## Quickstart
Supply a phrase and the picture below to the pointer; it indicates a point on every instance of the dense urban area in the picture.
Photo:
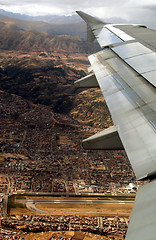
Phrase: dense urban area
(98, 225)
(48, 158)
(52, 160)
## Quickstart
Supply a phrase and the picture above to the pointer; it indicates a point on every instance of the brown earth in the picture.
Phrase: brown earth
(86, 209)
(74, 235)
(48, 80)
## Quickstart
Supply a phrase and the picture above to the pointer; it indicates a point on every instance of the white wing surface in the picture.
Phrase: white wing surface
(125, 70)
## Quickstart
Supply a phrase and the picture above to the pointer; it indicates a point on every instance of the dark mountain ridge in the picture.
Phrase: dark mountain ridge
(39, 41)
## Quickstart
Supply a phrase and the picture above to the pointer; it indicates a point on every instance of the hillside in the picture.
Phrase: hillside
(90, 109)
(46, 78)
(40, 79)
(8, 26)
(42, 68)
(39, 41)
(73, 29)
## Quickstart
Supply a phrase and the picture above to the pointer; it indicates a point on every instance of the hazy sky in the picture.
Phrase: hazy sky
(142, 11)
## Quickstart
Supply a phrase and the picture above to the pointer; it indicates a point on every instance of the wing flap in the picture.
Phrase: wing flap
(89, 81)
(122, 35)
(108, 139)
(140, 58)
(90, 35)
(131, 49)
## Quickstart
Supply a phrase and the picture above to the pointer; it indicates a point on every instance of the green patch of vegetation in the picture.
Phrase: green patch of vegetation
(20, 197)
(124, 197)
(13, 204)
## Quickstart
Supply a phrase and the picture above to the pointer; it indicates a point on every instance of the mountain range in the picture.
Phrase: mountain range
(56, 19)
(53, 24)
(73, 29)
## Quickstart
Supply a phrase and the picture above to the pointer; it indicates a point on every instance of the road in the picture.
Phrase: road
(80, 201)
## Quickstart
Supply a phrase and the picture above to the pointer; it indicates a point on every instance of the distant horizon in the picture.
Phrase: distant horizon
(109, 8)
(133, 11)
(74, 17)
(138, 16)
(30, 15)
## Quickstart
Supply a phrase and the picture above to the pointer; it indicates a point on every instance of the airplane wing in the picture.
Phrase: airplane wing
(125, 70)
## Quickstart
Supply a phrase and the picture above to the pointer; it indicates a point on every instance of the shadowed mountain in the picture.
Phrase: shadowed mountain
(49, 81)
(42, 80)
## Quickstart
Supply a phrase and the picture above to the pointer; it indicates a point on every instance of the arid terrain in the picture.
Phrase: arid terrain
(47, 79)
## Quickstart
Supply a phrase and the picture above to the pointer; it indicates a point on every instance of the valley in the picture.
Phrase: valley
(43, 119)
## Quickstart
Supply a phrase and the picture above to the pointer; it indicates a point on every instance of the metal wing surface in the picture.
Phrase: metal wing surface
(125, 70)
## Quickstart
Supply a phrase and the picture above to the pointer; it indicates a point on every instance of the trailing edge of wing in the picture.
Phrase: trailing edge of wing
(108, 139)
(90, 35)
(89, 81)
(142, 219)
(94, 25)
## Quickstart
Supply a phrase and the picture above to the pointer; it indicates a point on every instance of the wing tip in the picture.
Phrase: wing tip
(89, 19)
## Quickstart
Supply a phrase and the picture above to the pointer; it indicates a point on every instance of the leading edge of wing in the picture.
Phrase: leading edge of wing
(91, 21)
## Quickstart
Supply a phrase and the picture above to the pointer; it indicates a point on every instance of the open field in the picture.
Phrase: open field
(58, 209)
(86, 209)
(107, 210)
